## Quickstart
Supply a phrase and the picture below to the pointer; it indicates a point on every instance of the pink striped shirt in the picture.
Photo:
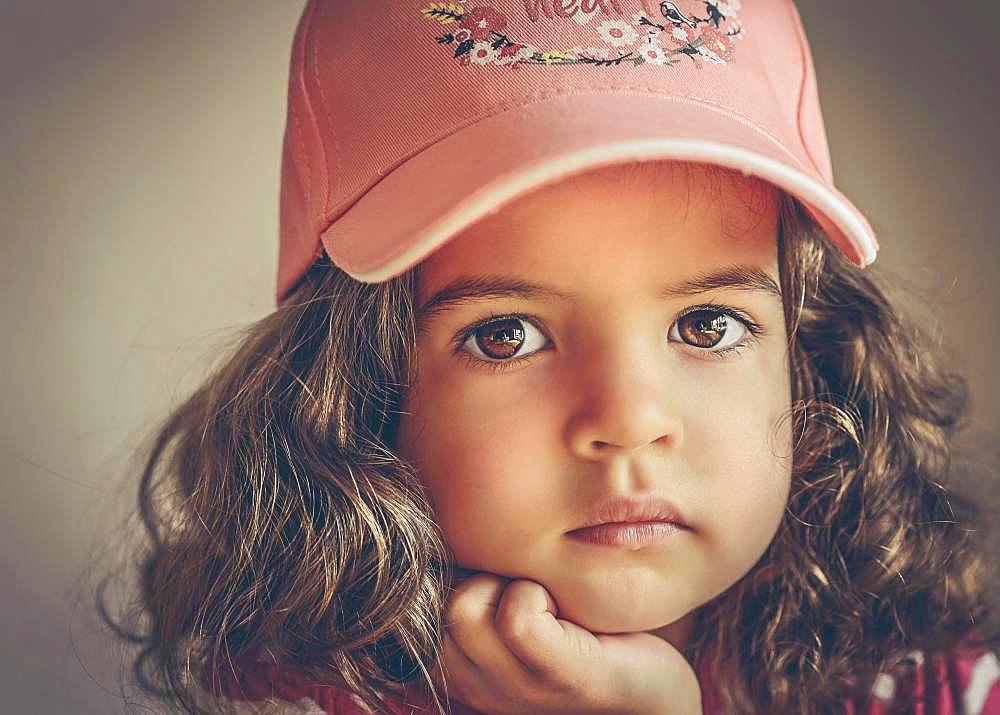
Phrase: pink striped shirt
(965, 682)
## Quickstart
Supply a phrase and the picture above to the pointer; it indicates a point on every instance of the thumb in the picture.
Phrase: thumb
(550, 602)
(536, 598)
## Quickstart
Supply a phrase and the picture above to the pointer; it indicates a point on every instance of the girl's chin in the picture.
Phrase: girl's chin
(621, 603)
(619, 618)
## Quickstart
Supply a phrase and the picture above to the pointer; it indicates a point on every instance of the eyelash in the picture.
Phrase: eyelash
(754, 331)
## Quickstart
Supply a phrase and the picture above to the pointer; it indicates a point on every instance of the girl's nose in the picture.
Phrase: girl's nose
(624, 401)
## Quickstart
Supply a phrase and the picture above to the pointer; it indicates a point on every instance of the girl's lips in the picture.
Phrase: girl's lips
(633, 508)
(633, 535)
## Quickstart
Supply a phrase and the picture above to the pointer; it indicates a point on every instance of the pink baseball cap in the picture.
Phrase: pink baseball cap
(410, 120)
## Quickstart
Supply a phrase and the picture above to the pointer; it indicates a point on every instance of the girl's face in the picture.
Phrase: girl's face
(607, 390)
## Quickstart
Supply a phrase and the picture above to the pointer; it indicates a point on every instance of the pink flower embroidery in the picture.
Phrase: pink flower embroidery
(482, 21)
(511, 50)
(680, 36)
(717, 43)
(480, 38)
(653, 54)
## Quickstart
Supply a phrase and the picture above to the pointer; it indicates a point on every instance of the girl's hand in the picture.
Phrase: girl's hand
(506, 652)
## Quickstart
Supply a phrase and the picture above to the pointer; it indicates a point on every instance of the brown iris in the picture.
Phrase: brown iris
(702, 328)
(500, 339)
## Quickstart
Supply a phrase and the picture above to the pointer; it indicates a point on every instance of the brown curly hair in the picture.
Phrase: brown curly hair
(277, 515)
(887, 521)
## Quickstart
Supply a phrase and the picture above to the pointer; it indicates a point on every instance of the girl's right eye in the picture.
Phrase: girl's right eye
(499, 338)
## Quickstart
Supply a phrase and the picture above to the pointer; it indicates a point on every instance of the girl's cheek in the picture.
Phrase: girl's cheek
(743, 428)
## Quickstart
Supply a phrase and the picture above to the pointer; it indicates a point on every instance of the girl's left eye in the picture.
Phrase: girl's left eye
(705, 328)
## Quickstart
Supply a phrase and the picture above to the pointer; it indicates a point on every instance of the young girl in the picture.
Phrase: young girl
(579, 396)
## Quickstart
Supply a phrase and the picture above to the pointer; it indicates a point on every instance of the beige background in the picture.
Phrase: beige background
(139, 155)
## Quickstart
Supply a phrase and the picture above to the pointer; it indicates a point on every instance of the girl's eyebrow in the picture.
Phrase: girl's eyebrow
(485, 286)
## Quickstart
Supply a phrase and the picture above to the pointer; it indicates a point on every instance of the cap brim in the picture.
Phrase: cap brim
(439, 191)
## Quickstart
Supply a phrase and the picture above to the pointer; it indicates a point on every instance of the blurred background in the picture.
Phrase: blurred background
(139, 166)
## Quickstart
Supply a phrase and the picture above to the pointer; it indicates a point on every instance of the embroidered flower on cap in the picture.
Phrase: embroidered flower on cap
(617, 33)
(703, 35)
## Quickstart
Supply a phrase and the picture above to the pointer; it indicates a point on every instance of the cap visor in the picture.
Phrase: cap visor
(439, 191)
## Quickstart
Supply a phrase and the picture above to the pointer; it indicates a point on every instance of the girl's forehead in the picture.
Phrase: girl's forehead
(657, 219)
(693, 197)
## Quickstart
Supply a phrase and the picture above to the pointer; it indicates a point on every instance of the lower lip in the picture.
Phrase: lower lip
(634, 535)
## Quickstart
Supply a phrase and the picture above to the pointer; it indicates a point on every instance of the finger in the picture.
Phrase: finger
(461, 679)
(527, 625)
(474, 594)
(451, 666)
(471, 624)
